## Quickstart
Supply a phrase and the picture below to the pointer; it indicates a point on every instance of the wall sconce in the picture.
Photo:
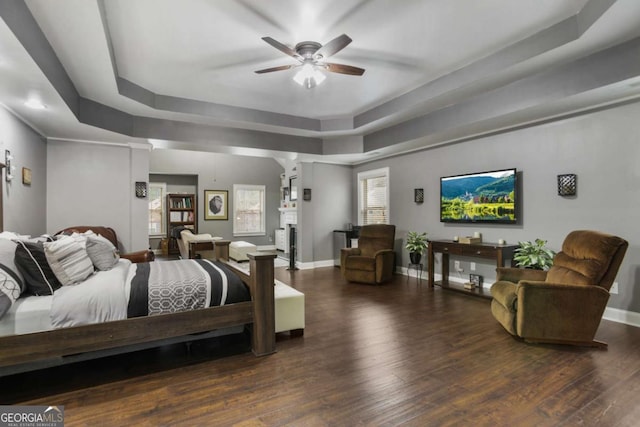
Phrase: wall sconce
(7, 161)
(306, 194)
(567, 184)
(418, 195)
(141, 189)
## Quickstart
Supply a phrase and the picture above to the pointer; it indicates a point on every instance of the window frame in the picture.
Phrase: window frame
(263, 220)
(363, 176)
(163, 209)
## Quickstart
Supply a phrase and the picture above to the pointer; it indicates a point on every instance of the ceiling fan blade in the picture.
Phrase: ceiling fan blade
(334, 46)
(270, 70)
(283, 48)
(344, 69)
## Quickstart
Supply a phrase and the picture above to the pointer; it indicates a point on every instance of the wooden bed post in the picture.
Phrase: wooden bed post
(221, 249)
(261, 281)
(264, 318)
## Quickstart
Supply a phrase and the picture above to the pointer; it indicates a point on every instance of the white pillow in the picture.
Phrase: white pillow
(102, 252)
(68, 259)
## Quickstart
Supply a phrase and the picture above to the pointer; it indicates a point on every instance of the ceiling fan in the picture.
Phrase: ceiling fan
(311, 56)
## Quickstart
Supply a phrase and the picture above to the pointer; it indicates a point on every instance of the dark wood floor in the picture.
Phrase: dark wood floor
(397, 354)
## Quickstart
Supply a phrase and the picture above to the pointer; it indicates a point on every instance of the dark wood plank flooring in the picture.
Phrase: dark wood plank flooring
(397, 354)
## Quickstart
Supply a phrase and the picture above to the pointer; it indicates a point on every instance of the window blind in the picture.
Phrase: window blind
(374, 202)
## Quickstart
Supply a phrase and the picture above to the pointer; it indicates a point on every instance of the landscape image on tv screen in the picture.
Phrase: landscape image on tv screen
(479, 197)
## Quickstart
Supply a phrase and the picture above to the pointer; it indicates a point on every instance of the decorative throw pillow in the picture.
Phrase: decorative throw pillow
(102, 252)
(32, 264)
(10, 289)
(69, 260)
(7, 261)
(11, 281)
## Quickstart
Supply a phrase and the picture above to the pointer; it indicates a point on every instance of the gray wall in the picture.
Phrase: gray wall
(93, 184)
(219, 172)
(24, 205)
(602, 148)
(328, 210)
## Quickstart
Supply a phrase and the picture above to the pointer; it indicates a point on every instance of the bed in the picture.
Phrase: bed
(29, 341)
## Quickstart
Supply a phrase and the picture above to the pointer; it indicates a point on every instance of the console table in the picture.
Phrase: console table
(494, 251)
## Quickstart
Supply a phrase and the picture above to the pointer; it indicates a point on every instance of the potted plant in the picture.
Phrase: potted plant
(534, 255)
(416, 245)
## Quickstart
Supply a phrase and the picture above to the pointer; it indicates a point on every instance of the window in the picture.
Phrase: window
(248, 210)
(157, 192)
(373, 197)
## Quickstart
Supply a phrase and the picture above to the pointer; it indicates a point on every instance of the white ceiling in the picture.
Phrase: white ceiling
(191, 63)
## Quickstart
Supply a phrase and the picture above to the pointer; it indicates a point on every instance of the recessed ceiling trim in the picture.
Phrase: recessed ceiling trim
(557, 35)
(219, 111)
(601, 69)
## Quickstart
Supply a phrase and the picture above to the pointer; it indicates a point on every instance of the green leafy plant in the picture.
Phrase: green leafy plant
(416, 242)
(534, 255)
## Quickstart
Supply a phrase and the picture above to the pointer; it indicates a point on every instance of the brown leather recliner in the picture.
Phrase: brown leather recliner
(565, 304)
(373, 261)
(110, 234)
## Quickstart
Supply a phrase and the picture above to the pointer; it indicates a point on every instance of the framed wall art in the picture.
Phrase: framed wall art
(26, 176)
(216, 204)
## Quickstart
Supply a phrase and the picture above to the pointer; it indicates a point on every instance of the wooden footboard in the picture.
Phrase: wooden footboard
(261, 283)
(34, 347)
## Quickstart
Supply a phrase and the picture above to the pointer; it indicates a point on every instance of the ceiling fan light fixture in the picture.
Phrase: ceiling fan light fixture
(309, 76)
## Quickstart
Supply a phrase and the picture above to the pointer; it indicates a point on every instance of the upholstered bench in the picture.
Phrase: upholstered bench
(238, 250)
(289, 308)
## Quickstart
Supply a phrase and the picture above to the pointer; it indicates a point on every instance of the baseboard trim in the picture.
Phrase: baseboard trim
(622, 316)
(314, 264)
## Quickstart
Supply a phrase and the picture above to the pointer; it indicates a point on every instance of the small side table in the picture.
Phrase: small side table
(418, 268)
(199, 245)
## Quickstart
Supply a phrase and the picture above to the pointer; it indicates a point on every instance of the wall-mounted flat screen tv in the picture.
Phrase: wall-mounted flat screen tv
(479, 197)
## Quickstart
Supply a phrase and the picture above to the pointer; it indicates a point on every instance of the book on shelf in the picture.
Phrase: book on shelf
(181, 202)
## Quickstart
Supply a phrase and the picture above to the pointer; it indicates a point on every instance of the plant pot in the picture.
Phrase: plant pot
(415, 257)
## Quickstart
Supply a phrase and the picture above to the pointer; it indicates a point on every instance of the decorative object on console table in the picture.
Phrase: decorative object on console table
(181, 214)
(216, 204)
(567, 184)
(26, 176)
(470, 240)
(476, 279)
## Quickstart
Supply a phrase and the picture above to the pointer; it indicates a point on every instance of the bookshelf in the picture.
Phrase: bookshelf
(181, 211)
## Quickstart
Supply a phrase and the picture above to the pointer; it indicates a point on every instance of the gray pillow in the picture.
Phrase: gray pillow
(102, 252)
(69, 260)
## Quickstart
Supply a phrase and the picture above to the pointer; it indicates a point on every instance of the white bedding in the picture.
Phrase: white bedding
(33, 313)
(27, 315)
(100, 298)
(105, 296)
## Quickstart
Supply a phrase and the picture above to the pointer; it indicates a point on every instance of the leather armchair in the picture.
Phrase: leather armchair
(565, 304)
(110, 234)
(373, 261)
